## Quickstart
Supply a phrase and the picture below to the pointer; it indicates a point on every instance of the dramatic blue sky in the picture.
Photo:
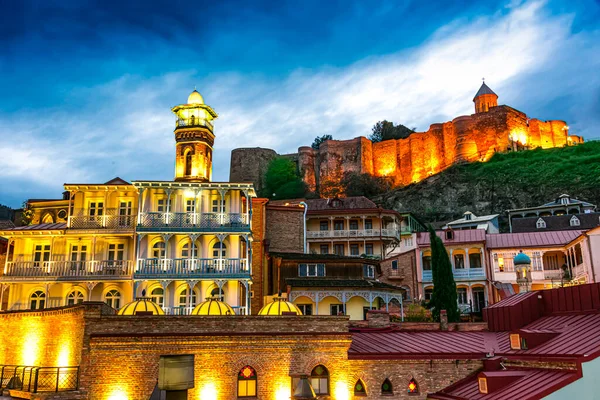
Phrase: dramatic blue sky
(87, 86)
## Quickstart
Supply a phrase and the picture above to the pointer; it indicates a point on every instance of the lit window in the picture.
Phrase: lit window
(515, 341)
(37, 300)
(75, 297)
(413, 387)
(482, 385)
(359, 388)
(386, 387)
(247, 382)
(574, 221)
(158, 296)
(113, 299)
(540, 224)
(319, 380)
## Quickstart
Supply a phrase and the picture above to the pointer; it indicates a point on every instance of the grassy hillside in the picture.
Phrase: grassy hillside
(511, 180)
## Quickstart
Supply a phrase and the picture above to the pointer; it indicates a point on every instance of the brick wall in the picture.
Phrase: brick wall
(285, 229)
(405, 275)
(258, 253)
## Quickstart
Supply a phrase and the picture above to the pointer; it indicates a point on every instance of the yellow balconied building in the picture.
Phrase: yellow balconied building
(176, 242)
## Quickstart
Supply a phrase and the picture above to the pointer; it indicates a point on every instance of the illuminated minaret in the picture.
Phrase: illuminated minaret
(194, 139)
(485, 99)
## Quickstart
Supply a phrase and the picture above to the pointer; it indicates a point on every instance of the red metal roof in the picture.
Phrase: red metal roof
(531, 239)
(459, 236)
(535, 383)
(39, 227)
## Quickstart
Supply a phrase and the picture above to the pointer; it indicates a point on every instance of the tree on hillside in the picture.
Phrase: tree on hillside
(356, 184)
(282, 180)
(444, 295)
(320, 139)
(386, 130)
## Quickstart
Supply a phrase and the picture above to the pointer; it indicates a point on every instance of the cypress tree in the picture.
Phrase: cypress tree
(444, 295)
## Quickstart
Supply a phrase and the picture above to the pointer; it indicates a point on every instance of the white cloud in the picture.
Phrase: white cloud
(130, 134)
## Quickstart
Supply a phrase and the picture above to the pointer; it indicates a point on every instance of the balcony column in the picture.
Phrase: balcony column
(140, 205)
(197, 199)
(249, 298)
(3, 288)
(452, 259)
(168, 208)
(222, 206)
(69, 210)
(482, 256)
(10, 241)
(90, 287)
(138, 257)
(221, 237)
(467, 262)
(105, 211)
(94, 248)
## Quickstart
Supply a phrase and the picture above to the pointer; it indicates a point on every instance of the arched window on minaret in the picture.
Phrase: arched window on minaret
(188, 162)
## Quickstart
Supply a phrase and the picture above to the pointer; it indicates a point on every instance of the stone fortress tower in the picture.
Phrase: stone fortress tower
(477, 137)
(194, 140)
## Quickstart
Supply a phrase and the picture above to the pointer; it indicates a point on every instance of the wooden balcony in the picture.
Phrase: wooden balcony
(197, 222)
(68, 270)
(386, 233)
(187, 268)
(110, 220)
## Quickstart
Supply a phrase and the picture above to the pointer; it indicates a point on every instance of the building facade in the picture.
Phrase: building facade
(176, 242)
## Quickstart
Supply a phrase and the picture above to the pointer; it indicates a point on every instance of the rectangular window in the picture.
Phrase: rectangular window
(426, 263)
(324, 249)
(311, 270)
(324, 225)
(354, 250)
(306, 309)
(336, 309)
(462, 295)
(368, 271)
(368, 224)
(41, 254)
(338, 225)
(218, 206)
(96, 209)
(125, 208)
(161, 205)
(369, 249)
(475, 260)
(395, 265)
(459, 261)
(338, 249)
(190, 206)
(353, 224)
(116, 251)
(428, 294)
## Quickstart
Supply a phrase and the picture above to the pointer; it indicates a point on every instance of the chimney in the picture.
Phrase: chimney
(378, 319)
(443, 320)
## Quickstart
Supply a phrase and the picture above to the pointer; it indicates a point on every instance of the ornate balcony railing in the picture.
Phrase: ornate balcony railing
(68, 270)
(459, 274)
(198, 221)
(111, 219)
(185, 310)
(187, 267)
(185, 122)
(354, 233)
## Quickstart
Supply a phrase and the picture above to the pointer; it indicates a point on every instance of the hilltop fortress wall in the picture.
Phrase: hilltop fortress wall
(464, 139)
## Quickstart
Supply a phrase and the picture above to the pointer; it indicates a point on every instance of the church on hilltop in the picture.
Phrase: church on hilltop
(492, 128)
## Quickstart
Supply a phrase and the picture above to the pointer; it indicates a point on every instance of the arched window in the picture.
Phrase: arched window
(183, 298)
(75, 297)
(158, 296)
(48, 219)
(540, 224)
(186, 251)
(217, 247)
(247, 382)
(113, 299)
(188, 163)
(574, 221)
(386, 387)
(217, 293)
(319, 380)
(413, 387)
(359, 388)
(159, 250)
(37, 300)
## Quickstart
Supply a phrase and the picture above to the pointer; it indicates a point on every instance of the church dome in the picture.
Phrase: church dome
(521, 259)
(143, 306)
(195, 98)
(213, 307)
(279, 306)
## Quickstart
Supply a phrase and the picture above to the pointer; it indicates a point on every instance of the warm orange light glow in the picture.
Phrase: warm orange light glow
(64, 355)
(208, 392)
(31, 342)
(341, 391)
(118, 394)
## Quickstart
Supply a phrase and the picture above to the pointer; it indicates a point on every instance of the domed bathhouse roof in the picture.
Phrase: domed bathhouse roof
(141, 306)
(213, 306)
(521, 259)
(195, 98)
(279, 306)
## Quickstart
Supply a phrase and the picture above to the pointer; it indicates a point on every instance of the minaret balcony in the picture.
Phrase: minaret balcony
(67, 270)
(185, 268)
(197, 222)
(193, 123)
